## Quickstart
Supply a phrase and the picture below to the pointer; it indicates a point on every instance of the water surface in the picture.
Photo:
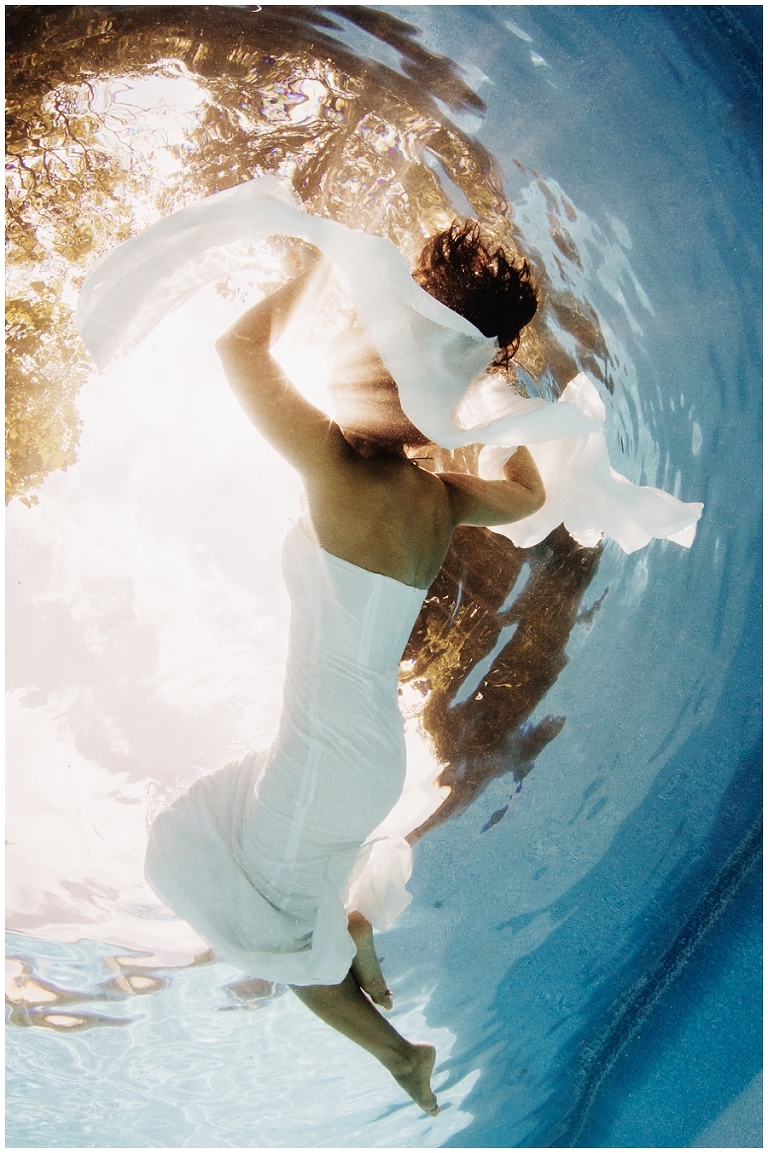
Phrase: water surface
(581, 947)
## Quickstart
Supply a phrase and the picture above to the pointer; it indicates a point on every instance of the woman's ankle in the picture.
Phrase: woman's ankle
(401, 1059)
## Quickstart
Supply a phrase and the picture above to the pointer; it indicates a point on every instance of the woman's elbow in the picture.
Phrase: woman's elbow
(522, 502)
(239, 340)
(538, 498)
(527, 504)
(225, 345)
(237, 354)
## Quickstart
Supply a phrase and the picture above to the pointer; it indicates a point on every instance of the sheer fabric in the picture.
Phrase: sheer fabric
(437, 358)
(265, 857)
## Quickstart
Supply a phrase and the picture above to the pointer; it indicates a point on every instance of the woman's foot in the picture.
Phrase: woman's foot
(346, 1008)
(366, 968)
(416, 1080)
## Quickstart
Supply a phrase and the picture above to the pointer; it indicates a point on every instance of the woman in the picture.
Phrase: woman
(338, 763)
(274, 859)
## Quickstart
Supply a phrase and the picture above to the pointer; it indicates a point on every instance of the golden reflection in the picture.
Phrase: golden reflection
(489, 734)
(132, 978)
(115, 119)
(35, 1002)
(94, 155)
(252, 993)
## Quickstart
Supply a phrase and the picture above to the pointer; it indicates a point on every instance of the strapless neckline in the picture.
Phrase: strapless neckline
(359, 568)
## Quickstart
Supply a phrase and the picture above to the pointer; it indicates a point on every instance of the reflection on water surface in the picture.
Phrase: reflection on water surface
(120, 116)
(463, 622)
(116, 117)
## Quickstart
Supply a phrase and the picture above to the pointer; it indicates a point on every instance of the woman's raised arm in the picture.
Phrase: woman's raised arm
(305, 436)
(488, 502)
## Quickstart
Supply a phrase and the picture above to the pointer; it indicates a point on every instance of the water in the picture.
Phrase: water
(586, 964)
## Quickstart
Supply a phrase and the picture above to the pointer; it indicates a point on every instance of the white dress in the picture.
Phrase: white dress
(262, 857)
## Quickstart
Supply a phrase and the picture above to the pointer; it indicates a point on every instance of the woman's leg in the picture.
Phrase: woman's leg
(348, 1010)
(366, 968)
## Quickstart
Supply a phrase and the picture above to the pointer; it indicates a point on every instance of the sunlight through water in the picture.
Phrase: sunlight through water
(582, 725)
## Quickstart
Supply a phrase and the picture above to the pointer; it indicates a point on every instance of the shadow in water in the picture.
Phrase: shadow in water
(471, 609)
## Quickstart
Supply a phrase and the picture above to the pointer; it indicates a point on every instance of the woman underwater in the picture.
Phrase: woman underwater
(371, 507)
(271, 859)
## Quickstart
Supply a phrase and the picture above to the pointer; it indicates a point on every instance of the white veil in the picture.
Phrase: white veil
(437, 358)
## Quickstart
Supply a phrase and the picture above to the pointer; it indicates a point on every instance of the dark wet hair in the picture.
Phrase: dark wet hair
(496, 293)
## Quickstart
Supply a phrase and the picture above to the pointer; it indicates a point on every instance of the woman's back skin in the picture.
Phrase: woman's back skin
(371, 505)
(368, 502)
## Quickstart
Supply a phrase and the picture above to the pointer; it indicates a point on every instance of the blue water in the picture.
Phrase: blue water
(589, 965)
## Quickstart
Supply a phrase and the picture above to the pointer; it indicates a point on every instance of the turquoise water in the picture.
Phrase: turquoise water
(587, 966)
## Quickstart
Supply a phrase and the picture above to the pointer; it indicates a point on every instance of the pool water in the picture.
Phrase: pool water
(583, 946)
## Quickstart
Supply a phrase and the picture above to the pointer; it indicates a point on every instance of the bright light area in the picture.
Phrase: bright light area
(143, 111)
(144, 118)
(149, 591)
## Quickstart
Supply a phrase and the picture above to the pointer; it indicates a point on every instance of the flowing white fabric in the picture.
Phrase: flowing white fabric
(586, 495)
(437, 358)
(265, 857)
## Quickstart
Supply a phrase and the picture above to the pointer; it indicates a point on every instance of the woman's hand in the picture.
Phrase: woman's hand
(266, 321)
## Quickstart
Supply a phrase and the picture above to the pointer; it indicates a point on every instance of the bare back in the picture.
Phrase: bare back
(368, 503)
(383, 513)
